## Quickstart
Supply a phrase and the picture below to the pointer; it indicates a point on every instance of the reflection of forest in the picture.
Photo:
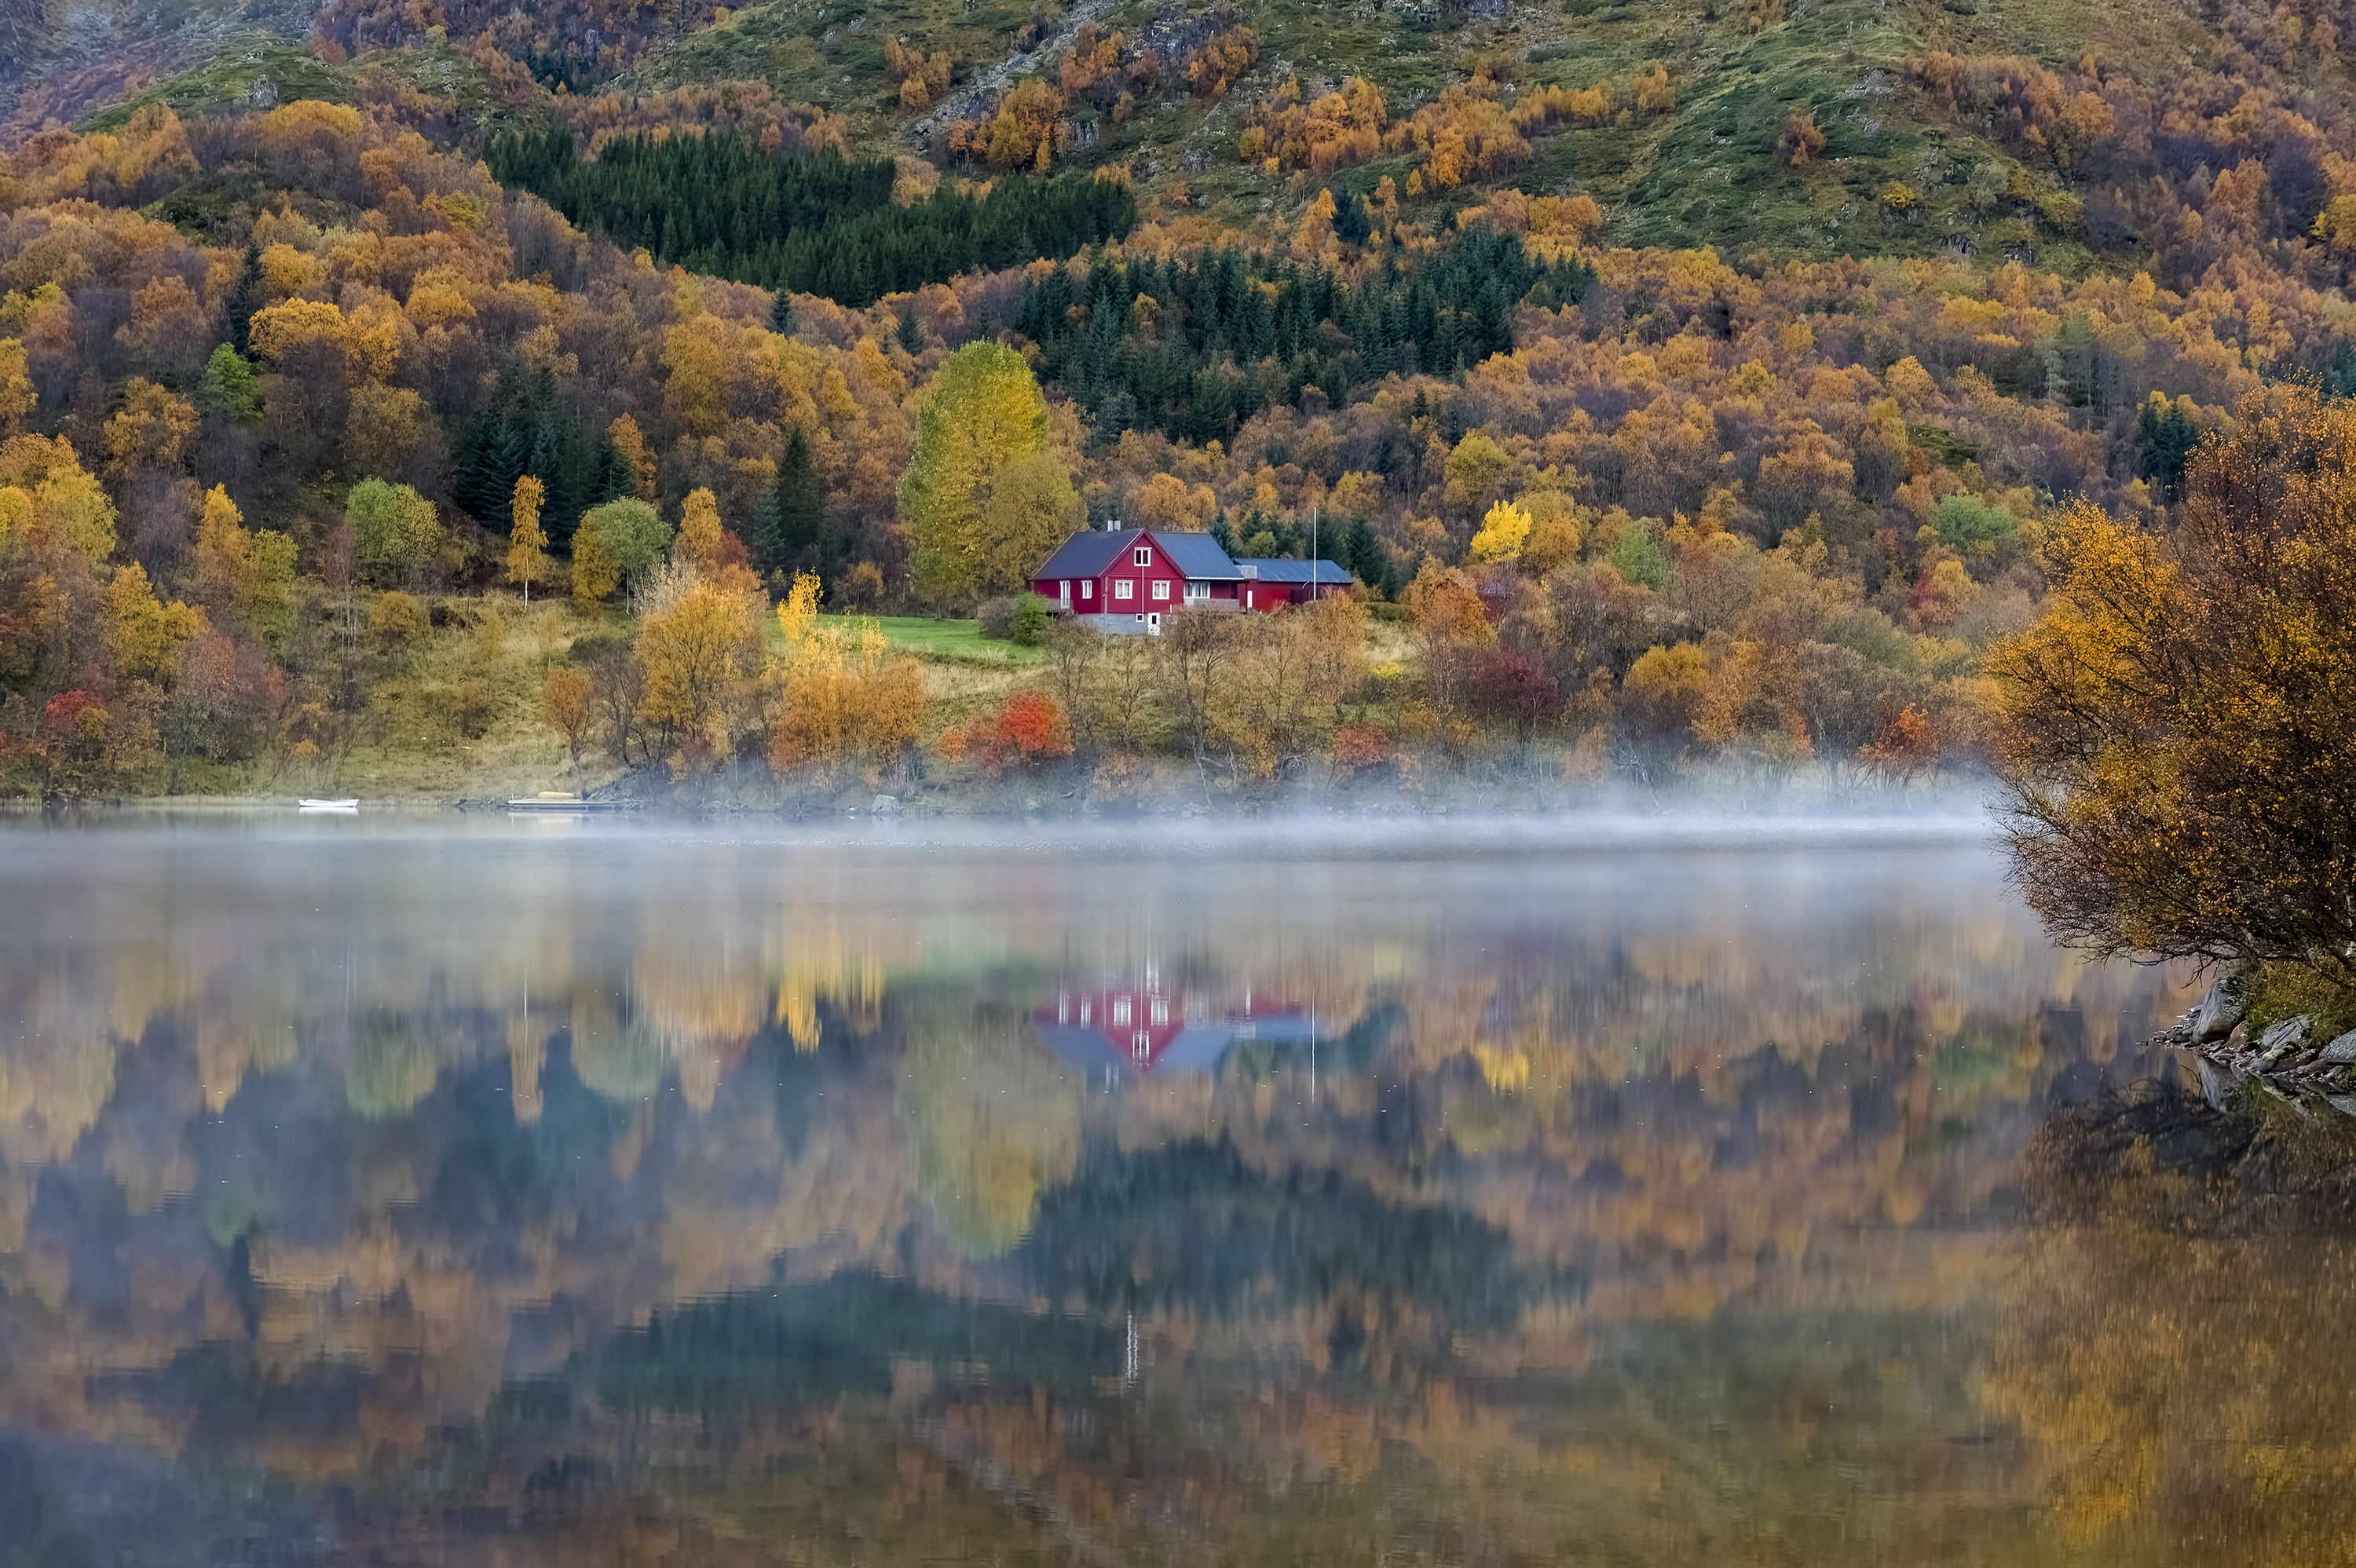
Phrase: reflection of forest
(1636, 1205)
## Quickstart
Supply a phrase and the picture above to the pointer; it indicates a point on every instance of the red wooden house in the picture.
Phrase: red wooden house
(1125, 580)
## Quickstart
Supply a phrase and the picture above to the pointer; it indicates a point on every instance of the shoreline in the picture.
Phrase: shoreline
(1934, 813)
(1174, 793)
(2292, 1071)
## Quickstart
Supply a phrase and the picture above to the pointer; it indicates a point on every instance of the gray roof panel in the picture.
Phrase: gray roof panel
(1198, 556)
(1088, 554)
(1289, 572)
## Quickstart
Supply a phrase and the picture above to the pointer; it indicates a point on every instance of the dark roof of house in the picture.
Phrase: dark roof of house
(1324, 573)
(1197, 557)
(1088, 554)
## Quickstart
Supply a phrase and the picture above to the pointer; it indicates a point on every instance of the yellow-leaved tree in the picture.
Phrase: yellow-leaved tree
(699, 528)
(1503, 533)
(142, 631)
(48, 501)
(527, 541)
(17, 398)
(242, 574)
(845, 699)
(697, 639)
(2178, 732)
(983, 497)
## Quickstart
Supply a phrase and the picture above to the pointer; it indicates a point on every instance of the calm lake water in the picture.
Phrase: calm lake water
(554, 1193)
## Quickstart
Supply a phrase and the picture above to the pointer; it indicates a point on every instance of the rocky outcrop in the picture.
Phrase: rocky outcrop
(2219, 1011)
(2288, 1053)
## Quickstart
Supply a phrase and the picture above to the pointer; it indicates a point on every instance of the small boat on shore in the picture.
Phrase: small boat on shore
(344, 807)
(556, 801)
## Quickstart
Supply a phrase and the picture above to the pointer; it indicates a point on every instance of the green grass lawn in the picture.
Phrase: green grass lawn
(943, 639)
(958, 639)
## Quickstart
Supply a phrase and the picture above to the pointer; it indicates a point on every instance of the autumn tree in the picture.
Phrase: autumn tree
(1222, 58)
(1503, 531)
(615, 543)
(2178, 735)
(594, 575)
(16, 396)
(844, 697)
(244, 574)
(696, 638)
(1800, 140)
(983, 497)
(1027, 730)
(634, 460)
(398, 529)
(564, 707)
(528, 560)
(699, 532)
(1452, 626)
(923, 78)
(1904, 744)
(1194, 658)
(1665, 690)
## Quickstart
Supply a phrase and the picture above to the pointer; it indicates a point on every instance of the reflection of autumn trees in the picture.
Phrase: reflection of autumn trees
(993, 1120)
(314, 1156)
(2165, 1340)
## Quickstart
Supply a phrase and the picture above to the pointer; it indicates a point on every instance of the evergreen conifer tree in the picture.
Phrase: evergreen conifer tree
(244, 300)
(1221, 534)
(798, 541)
(1363, 554)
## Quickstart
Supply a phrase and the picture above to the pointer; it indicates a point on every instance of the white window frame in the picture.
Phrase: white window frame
(1197, 592)
(1161, 590)
(1123, 589)
(1088, 588)
(1153, 624)
(1067, 586)
(1144, 556)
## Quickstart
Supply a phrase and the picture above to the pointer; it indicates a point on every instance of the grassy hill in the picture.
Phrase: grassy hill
(1703, 171)
(1701, 168)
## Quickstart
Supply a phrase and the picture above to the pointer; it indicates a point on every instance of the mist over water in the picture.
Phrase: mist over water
(1636, 1188)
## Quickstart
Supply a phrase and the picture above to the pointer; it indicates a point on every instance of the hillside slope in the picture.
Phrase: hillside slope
(1699, 381)
(2061, 135)
(1694, 162)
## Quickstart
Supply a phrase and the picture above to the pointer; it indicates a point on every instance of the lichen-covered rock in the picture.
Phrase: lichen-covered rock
(2283, 1033)
(2341, 1051)
(2219, 1010)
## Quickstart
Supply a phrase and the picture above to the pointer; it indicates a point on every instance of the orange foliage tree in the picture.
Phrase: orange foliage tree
(1029, 729)
(2178, 732)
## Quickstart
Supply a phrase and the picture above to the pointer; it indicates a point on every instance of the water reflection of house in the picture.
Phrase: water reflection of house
(1132, 1030)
